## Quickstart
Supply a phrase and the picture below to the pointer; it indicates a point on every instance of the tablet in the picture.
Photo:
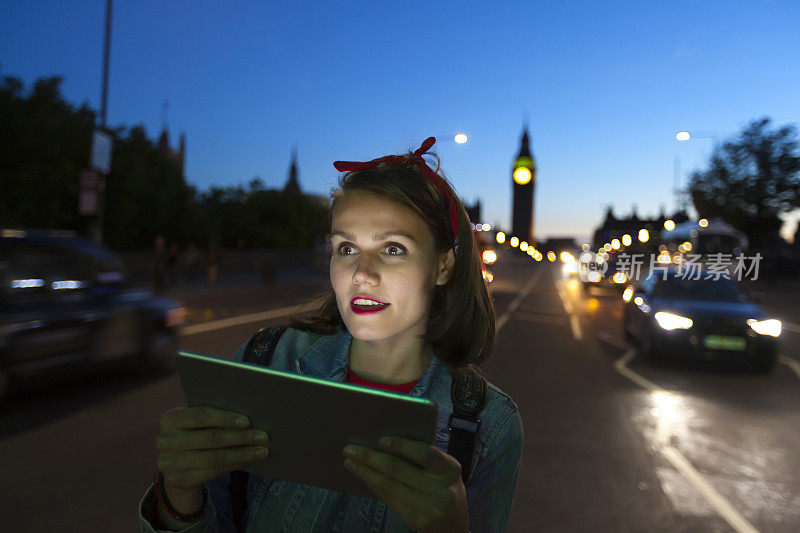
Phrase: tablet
(308, 420)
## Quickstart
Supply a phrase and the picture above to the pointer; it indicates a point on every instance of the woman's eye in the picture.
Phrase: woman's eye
(339, 250)
(400, 249)
(391, 249)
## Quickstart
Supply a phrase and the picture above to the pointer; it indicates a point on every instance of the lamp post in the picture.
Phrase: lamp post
(101, 147)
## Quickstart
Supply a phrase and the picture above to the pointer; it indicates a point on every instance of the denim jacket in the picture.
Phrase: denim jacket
(276, 505)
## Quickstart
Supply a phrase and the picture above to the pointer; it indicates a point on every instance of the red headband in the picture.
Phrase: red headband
(396, 160)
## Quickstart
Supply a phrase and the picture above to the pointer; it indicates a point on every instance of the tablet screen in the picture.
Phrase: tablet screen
(309, 420)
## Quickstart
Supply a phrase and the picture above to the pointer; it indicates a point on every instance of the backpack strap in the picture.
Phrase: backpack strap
(258, 351)
(468, 392)
(261, 346)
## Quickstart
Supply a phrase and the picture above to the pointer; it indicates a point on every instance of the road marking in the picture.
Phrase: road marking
(791, 363)
(621, 366)
(722, 506)
(238, 320)
(717, 501)
(516, 301)
(574, 323)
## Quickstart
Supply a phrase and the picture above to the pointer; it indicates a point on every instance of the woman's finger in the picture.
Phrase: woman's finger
(207, 439)
(429, 457)
(392, 491)
(201, 417)
(395, 468)
(219, 459)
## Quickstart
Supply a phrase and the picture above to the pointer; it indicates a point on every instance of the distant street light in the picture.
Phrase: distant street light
(644, 235)
(669, 225)
(626, 240)
(702, 223)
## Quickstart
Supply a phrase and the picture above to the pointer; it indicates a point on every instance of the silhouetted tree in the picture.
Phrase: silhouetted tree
(45, 142)
(751, 180)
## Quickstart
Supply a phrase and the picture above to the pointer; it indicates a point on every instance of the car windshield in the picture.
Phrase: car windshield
(721, 290)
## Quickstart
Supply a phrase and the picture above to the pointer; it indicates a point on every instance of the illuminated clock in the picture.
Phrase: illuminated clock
(522, 175)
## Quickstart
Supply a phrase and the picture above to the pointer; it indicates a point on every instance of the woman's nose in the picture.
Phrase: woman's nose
(366, 271)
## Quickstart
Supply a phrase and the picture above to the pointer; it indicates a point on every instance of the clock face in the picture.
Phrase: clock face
(522, 175)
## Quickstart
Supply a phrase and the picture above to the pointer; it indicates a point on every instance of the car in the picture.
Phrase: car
(703, 316)
(597, 271)
(67, 304)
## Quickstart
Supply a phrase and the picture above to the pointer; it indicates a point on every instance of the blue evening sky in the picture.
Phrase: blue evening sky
(606, 85)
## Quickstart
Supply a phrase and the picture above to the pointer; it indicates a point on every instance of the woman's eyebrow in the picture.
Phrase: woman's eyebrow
(378, 236)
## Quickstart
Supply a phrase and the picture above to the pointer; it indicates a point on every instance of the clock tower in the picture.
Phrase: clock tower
(523, 180)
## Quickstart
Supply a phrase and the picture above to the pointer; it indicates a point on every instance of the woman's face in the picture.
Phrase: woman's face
(384, 251)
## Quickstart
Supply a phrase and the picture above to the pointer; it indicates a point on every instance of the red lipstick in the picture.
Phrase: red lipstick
(367, 309)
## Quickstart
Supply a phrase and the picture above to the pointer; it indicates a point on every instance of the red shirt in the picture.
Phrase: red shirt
(402, 388)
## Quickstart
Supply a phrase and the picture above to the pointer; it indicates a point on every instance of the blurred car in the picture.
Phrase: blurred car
(596, 271)
(67, 304)
(710, 319)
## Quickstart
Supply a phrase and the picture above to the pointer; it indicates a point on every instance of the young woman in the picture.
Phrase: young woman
(400, 237)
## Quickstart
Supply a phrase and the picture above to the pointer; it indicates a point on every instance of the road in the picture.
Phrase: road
(612, 443)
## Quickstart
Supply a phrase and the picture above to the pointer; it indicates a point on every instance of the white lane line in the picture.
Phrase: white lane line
(791, 363)
(611, 339)
(574, 323)
(238, 320)
(722, 506)
(621, 366)
(516, 301)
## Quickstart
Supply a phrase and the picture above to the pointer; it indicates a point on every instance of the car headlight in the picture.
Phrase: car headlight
(570, 268)
(671, 321)
(769, 327)
(627, 294)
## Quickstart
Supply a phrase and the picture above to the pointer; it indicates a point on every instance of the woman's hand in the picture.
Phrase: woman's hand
(419, 482)
(198, 444)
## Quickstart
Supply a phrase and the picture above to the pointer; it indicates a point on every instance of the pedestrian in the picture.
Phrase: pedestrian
(159, 263)
(400, 236)
(192, 258)
(172, 263)
(212, 261)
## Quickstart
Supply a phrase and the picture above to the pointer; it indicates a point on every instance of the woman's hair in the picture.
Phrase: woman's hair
(461, 322)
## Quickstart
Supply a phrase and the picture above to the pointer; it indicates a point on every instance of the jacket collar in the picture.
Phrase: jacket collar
(327, 359)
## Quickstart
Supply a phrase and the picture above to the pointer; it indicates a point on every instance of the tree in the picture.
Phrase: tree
(45, 142)
(751, 180)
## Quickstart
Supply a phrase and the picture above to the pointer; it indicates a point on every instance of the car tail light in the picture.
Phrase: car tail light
(175, 317)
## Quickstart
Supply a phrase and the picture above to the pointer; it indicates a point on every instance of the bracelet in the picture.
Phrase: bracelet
(158, 486)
